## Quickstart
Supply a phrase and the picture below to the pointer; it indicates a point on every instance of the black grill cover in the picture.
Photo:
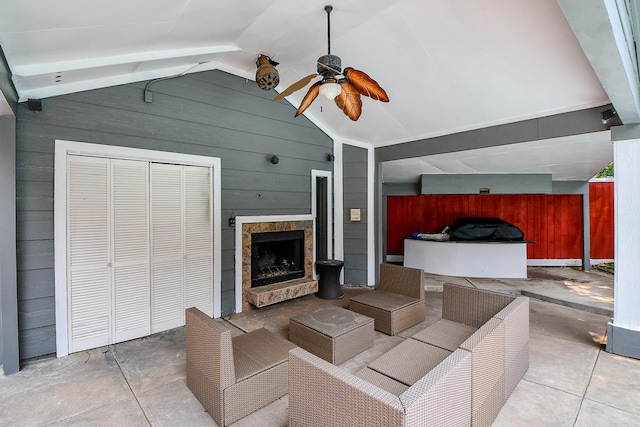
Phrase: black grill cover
(484, 229)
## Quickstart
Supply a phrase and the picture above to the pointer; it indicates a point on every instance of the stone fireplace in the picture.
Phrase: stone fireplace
(273, 284)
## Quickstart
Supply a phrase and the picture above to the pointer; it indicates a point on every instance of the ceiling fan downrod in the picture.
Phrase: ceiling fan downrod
(328, 8)
(329, 65)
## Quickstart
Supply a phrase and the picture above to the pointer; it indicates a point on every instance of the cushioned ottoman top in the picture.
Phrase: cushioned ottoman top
(332, 321)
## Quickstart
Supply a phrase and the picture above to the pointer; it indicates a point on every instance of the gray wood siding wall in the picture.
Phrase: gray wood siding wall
(209, 114)
(355, 197)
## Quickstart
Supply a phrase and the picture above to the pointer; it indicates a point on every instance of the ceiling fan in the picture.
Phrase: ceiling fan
(344, 86)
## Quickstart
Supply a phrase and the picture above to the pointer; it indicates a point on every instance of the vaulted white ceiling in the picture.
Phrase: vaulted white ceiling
(448, 66)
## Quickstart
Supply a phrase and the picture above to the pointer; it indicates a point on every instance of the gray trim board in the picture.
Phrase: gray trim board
(566, 124)
(6, 85)
(622, 341)
(9, 347)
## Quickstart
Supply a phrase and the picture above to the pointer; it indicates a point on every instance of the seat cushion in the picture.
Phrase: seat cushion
(445, 334)
(257, 351)
(384, 382)
(383, 300)
(409, 361)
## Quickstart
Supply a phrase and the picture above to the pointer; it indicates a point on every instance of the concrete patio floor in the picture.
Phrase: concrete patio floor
(571, 380)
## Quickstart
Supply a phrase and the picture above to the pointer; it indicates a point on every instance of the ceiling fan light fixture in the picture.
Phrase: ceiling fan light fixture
(330, 89)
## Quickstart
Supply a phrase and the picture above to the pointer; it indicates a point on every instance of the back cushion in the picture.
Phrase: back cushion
(402, 280)
(471, 306)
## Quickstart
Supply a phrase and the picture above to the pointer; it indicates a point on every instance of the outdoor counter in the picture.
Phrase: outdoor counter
(468, 258)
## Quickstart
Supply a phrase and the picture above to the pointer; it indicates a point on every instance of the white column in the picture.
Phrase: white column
(624, 329)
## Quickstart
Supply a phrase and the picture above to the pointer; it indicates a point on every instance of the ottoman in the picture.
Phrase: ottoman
(332, 333)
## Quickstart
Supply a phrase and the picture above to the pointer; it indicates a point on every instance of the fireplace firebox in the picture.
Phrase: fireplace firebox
(276, 257)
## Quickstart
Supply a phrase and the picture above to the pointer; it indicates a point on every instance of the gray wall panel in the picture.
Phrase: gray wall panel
(355, 197)
(36, 313)
(34, 341)
(39, 281)
(35, 225)
(34, 255)
(496, 183)
(209, 114)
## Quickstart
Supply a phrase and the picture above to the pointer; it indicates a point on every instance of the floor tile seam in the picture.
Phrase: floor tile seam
(595, 400)
(572, 341)
(62, 381)
(140, 393)
(133, 393)
(615, 408)
(525, 289)
(580, 306)
(553, 388)
(608, 405)
(586, 388)
(86, 411)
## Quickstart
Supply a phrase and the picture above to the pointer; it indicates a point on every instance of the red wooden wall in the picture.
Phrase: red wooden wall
(601, 227)
(553, 221)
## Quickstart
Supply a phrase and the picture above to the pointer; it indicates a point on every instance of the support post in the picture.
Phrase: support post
(623, 332)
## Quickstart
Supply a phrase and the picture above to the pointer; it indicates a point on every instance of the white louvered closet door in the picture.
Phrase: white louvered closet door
(167, 237)
(182, 243)
(88, 256)
(140, 248)
(199, 239)
(130, 237)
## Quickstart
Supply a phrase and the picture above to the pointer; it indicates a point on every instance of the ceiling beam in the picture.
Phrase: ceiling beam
(105, 61)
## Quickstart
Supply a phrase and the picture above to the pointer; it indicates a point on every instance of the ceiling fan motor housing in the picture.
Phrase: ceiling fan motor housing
(267, 77)
(329, 66)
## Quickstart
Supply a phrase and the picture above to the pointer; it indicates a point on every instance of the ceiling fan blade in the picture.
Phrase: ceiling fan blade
(349, 101)
(294, 87)
(311, 95)
(365, 85)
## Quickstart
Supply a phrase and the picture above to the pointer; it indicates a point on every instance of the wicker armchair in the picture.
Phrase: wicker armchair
(234, 376)
(398, 303)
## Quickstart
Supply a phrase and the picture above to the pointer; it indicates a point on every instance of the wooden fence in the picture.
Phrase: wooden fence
(553, 221)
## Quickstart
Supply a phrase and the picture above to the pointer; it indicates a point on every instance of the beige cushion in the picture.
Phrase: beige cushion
(445, 334)
(384, 382)
(257, 351)
(386, 301)
(409, 361)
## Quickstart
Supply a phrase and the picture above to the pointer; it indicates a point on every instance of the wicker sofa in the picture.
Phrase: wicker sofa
(234, 376)
(458, 371)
